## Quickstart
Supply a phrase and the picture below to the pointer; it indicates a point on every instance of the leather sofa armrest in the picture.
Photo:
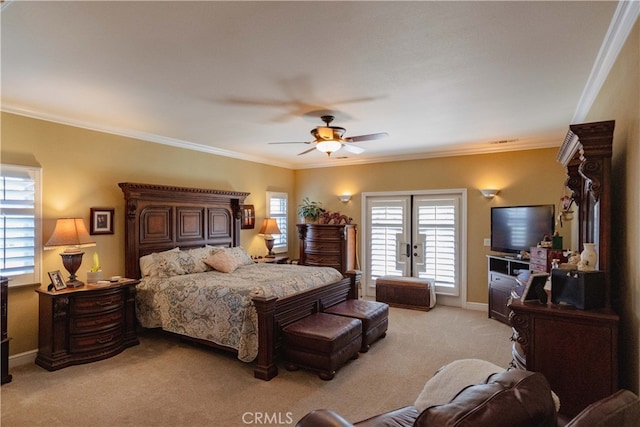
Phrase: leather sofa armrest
(405, 416)
(621, 409)
(323, 418)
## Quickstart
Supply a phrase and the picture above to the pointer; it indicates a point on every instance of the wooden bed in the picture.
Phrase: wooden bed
(159, 218)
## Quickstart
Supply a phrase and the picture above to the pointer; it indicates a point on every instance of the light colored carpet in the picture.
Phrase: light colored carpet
(164, 382)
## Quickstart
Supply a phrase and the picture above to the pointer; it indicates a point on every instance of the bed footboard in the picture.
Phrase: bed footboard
(274, 314)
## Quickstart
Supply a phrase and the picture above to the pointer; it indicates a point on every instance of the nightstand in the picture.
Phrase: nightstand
(85, 324)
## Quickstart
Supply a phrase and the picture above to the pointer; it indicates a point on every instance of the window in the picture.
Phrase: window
(19, 224)
(277, 204)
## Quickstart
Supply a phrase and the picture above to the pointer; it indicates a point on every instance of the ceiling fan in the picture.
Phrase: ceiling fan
(330, 139)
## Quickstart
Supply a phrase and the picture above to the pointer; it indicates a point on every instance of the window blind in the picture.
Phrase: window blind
(19, 228)
(277, 208)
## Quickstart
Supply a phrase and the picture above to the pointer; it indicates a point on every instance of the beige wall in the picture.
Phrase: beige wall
(619, 99)
(81, 169)
(523, 177)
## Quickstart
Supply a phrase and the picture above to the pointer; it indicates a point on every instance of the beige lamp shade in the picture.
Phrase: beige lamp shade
(70, 232)
(270, 226)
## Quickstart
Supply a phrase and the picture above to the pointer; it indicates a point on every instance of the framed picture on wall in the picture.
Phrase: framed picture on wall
(248, 217)
(101, 221)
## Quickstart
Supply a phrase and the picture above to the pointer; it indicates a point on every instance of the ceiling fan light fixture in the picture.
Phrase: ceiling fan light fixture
(328, 146)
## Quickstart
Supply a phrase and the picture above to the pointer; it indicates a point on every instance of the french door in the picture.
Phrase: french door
(417, 234)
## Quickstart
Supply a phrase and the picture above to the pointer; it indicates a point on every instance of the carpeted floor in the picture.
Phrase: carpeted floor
(164, 382)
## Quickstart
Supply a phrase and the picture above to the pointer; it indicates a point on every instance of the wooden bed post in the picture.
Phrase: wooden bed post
(355, 276)
(265, 367)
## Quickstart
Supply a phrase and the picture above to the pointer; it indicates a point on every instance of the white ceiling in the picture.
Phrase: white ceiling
(442, 78)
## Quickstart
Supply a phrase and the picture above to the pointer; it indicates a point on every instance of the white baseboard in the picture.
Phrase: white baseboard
(477, 306)
(23, 358)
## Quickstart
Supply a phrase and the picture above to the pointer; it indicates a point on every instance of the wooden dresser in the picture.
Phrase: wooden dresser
(576, 350)
(85, 324)
(4, 351)
(328, 245)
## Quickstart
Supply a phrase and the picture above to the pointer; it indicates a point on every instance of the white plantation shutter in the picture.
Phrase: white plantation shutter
(437, 222)
(387, 224)
(19, 226)
(277, 204)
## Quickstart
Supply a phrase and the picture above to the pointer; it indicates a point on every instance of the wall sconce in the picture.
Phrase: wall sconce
(269, 227)
(489, 193)
(344, 198)
(70, 232)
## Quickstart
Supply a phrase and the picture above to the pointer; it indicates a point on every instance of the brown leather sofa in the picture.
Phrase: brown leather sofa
(512, 398)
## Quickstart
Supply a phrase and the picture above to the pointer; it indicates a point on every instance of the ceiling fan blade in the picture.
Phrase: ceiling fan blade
(353, 149)
(307, 151)
(292, 142)
(369, 137)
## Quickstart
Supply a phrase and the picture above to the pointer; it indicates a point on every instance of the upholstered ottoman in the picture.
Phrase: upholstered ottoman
(405, 292)
(373, 315)
(321, 342)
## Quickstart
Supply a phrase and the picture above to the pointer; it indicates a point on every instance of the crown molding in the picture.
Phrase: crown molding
(624, 18)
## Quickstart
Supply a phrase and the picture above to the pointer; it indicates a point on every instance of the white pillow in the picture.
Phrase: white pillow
(240, 255)
(451, 378)
(147, 263)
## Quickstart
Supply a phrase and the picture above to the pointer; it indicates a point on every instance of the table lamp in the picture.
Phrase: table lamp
(269, 228)
(70, 232)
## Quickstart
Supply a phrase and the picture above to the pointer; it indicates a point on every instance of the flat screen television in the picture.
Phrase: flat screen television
(518, 228)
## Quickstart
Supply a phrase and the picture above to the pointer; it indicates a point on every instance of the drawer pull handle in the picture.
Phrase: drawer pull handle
(104, 303)
(105, 340)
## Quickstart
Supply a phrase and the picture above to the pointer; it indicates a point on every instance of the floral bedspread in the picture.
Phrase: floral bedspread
(217, 306)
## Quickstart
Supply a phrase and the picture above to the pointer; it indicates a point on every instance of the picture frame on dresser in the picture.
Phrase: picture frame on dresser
(57, 281)
(534, 288)
(101, 221)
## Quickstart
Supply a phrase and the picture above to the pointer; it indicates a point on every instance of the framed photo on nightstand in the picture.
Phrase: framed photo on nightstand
(57, 280)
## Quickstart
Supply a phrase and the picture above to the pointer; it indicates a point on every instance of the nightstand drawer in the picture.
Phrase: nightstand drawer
(93, 342)
(97, 303)
(86, 324)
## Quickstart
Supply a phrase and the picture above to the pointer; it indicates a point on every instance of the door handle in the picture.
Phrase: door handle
(408, 253)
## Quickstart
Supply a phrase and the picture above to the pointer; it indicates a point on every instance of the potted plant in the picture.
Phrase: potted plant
(310, 211)
(95, 274)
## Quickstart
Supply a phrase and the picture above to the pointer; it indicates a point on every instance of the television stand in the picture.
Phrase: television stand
(502, 273)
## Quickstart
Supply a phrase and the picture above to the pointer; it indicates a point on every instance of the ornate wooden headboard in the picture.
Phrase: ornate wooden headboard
(158, 218)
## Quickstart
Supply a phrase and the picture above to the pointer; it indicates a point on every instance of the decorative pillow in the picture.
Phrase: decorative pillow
(147, 262)
(451, 378)
(222, 261)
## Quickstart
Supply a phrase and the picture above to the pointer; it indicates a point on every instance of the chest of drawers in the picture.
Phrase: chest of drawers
(328, 245)
(541, 259)
(85, 324)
